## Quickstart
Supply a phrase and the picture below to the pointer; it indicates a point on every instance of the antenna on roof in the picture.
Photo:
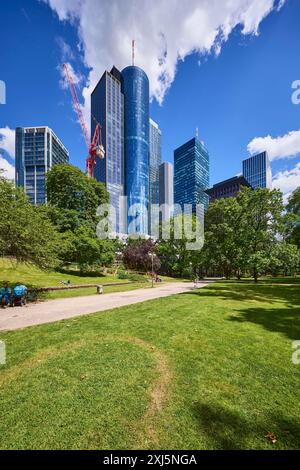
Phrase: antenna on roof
(133, 51)
(197, 132)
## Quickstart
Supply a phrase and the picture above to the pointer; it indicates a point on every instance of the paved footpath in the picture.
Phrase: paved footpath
(60, 309)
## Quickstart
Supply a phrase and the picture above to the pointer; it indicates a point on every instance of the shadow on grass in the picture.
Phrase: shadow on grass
(228, 430)
(284, 319)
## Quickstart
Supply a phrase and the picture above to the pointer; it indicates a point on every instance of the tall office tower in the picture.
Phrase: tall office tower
(154, 162)
(227, 188)
(107, 108)
(166, 191)
(257, 171)
(37, 150)
(135, 86)
(191, 174)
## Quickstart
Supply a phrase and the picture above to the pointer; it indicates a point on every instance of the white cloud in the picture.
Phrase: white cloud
(286, 146)
(165, 31)
(287, 181)
(7, 168)
(7, 141)
(63, 83)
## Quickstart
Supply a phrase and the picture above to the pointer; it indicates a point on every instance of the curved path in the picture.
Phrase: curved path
(60, 309)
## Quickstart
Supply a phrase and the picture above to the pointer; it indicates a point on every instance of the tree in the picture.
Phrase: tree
(137, 255)
(284, 259)
(175, 255)
(260, 225)
(85, 249)
(223, 249)
(25, 232)
(293, 218)
(71, 191)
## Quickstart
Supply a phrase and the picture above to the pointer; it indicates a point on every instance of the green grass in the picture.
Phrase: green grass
(33, 277)
(210, 369)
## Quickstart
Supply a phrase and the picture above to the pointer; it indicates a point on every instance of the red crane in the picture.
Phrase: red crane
(95, 148)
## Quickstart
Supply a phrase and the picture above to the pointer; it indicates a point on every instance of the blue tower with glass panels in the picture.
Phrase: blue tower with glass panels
(257, 171)
(135, 87)
(38, 149)
(191, 174)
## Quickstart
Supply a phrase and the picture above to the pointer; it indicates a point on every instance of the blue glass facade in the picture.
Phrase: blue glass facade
(37, 150)
(135, 87)
(154, 163)
(257, 171)
(191, 174)
(107, 107)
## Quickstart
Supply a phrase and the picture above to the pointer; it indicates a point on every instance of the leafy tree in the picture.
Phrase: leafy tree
(25, 233)
(293, 218)
(284, 259)
(75, 194)
(85, 249)
(175, 255)
(223, 249)
(137, 255)
(260, 225)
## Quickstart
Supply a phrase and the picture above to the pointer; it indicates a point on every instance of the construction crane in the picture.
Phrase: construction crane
(94, 147)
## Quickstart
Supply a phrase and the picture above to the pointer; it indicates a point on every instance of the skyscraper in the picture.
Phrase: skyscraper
(166, 191)
(107, 108)
(257, 171)
(135, 86)
(37, 150)
(154, 162)
(227, 188)
(191, 174)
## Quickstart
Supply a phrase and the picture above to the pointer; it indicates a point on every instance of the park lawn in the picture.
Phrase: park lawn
(33, 277)
(209, 369)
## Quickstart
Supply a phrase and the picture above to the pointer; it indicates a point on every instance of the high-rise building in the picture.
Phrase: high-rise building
(154, 162)
(227, 188)
(257, 171)
(135, 86)
(191, 174)
(166, 191)
(37, 150)
(107, 108)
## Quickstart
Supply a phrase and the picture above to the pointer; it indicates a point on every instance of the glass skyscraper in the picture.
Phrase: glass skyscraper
(166, 190)
(191, 174)
(257, 171)
(154, 163)
(135, 87)
(107, 108)
(37, 150)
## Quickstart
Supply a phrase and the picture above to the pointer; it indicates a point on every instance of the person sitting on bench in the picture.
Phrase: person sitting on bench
(19, 295)
(5, 295)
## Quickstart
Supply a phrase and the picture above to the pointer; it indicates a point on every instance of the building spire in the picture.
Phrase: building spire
(133, 51)
(197, 133)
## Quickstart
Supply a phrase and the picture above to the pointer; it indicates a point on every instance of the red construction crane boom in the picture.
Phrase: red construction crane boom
(95, 148)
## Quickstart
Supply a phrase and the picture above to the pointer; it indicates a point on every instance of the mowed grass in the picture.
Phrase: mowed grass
(210, 369)
(33, 277)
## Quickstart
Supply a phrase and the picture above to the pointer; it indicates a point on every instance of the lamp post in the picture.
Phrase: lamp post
(151, 254)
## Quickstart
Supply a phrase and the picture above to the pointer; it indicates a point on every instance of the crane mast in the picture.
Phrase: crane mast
(94, 147)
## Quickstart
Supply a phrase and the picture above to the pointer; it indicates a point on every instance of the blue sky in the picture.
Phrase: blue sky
(234, 90)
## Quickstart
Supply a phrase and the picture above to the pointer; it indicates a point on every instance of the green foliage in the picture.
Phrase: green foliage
(132, 277)
(293, 218)
(84, 248)
(25, 232)
(69, 189)
(137, 255)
